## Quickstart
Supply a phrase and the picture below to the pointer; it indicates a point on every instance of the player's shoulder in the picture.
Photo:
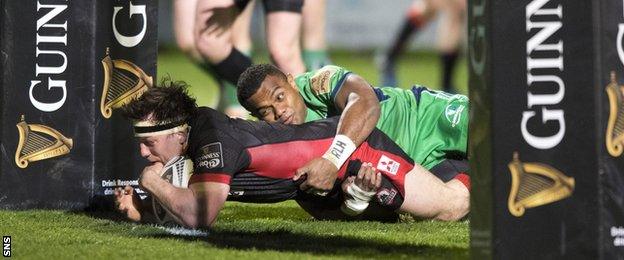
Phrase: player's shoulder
(205, 117)
(323, 80)
(207, 125)
(327, 71)
(207, 112)
(324, 72)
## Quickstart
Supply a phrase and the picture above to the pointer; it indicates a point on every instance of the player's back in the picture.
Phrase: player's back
(259, 159)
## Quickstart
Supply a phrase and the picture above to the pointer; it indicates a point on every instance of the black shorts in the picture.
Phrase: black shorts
(250, 187)
(449, 168)
(283, 5)
(274, 5)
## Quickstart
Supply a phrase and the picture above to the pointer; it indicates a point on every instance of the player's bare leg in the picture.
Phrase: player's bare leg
(427, 196)
(418, 15)
(313, 38)
(241, 39)
(449, 37)
(213, 28)
(214, 21)
(451, 28)
(241, 35)
(183, 24)
(283, 30)
(184, 21)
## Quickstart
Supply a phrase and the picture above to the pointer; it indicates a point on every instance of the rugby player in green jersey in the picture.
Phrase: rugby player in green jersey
(430, 126)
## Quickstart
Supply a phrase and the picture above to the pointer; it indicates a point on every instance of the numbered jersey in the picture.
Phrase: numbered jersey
(428, 125)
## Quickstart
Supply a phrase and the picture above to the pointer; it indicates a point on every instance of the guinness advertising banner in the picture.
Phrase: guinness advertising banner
(547, 130)
(66, 66)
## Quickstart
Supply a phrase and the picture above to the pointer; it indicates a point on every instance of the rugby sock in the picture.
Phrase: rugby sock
(388, 70)
(411, 24)
(448, 65)
(315, 59)
(407, 30)
(464, 179)
(228, 97)
(232, 66)
(228, 90)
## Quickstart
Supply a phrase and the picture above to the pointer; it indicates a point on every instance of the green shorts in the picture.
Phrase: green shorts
(428, 125)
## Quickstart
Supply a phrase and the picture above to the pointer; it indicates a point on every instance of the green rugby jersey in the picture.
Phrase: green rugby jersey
(428, 125)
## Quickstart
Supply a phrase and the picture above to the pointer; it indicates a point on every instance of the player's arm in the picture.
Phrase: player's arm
(210, 197)
(194, 207)
(360, 112)
(359, 109)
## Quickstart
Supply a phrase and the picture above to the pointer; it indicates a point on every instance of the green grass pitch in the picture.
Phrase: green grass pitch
(245, 231)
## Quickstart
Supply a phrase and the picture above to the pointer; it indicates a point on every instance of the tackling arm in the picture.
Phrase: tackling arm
(360, 113)
(360, 109)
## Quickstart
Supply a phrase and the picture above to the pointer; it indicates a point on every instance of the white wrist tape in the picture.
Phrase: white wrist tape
(341, 148)
(359, 194)
(357, 201)
(353, 207)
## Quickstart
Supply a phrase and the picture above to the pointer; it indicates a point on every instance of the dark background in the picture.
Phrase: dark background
(577, 226)
(104, 149)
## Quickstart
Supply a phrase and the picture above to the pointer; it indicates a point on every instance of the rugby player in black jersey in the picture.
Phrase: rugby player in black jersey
(251, 161)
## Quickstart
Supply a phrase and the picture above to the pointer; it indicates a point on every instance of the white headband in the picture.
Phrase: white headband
(146, 128)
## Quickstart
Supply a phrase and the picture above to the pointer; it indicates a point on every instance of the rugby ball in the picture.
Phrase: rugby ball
(177, 171)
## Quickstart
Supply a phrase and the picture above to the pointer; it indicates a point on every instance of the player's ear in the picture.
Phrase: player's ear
(181, 137)
(291, 81)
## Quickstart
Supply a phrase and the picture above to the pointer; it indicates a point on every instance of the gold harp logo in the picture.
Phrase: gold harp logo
(535, 184)
(615, 125)
(39, 142)
(123, 81)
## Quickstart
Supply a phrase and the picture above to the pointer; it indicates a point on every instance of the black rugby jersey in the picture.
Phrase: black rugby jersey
(258, 159)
